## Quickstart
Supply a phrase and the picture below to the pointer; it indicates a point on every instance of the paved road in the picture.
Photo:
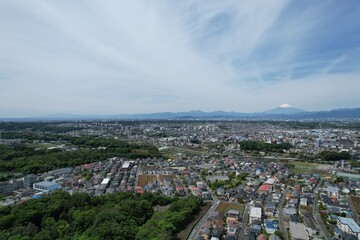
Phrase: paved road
(353, 209)
(244, 222)
(281, 215)
(318, 221)
(196, 230)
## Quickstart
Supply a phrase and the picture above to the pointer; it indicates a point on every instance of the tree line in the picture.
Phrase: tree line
(334, 156)
(112, 216)
(264, 147)
(26, 159)
(164, 225)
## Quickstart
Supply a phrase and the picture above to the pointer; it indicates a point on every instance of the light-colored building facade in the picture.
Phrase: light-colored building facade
(46, 186)
(255, 214)
(348, 225)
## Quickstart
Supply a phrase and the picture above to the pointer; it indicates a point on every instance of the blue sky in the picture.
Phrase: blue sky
(108, 57)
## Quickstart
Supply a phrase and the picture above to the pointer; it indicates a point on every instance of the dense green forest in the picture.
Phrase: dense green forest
(35, 127)
(264, 147)
(334, 156)
(112, 216)
(163, 225)
(25, 159)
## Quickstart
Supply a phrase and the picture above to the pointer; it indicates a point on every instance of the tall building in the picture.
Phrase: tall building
(29, 180)
(8, 187)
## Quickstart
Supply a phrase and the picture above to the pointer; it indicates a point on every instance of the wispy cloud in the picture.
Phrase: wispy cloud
(148, 56)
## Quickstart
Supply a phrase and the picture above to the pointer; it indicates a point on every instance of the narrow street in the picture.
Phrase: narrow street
(318, 221)
(353, 209)
(244, 222)
(196, 230)
(281, 215)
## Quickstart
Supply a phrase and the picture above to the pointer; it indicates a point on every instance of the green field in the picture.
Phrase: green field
(308, 167)
(173, 151)
(224, 207)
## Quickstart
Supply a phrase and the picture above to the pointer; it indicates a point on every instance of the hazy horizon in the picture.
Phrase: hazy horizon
(166, 114)
(130, 57)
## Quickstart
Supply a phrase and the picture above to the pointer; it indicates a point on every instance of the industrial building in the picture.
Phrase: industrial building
(46, 186)
(255, 214)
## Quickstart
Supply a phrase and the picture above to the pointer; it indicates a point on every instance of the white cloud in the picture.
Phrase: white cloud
(149, 56)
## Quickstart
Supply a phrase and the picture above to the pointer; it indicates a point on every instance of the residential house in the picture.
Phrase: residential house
(271, 226)
(332, 191)
(270, 209)
(348, 225)
(303, 201)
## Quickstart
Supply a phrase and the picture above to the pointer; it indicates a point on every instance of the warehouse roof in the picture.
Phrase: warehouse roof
(46, 183)
(255, 212)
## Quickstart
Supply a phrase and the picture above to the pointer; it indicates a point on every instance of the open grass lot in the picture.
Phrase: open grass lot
(143, 180)
(224, 207)
(356, 204)
(184, 234)
(308, 167)
(161, 208)
(306, 209)
(173, 151)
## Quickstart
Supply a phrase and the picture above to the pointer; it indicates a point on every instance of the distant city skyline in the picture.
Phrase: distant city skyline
(126, 57)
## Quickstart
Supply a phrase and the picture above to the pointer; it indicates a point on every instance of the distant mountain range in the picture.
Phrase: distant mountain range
(284, 112)
(287, 109)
